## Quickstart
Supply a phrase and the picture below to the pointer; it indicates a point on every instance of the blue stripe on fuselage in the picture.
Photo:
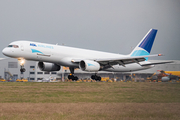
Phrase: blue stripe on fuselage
(36, 51)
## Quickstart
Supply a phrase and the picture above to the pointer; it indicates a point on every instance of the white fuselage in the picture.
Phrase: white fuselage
(63, 55)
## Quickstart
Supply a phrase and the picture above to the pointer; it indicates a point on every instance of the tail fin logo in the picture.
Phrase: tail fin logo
(148, 41)
(145, 45)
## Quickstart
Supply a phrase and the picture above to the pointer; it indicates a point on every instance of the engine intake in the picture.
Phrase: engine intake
(44, 66)
(89, 65)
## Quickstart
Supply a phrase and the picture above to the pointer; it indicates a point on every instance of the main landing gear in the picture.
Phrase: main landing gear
(95, 77)
(71, 76)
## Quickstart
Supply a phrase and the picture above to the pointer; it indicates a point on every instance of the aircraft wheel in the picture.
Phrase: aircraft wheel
(93, 77)
(70, 77)
(75, 78)
(99, 78)
(22, 69)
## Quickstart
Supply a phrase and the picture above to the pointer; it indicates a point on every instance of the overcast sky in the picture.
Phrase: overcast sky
(106, 25)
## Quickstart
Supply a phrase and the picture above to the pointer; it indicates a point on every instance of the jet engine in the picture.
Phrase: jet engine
(89, 65)
(44, 66)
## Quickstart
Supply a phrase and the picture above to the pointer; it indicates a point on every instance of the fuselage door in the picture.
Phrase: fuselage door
(22, 47)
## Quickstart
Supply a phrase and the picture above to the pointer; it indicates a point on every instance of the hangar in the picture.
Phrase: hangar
(10, 69)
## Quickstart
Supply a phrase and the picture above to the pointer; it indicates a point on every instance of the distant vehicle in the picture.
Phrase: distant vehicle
(170, 75)
(23, 80)
(51, 57)
(152, 78)
(2, 80)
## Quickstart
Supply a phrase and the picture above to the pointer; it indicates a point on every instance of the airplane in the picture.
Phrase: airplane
(51, 57)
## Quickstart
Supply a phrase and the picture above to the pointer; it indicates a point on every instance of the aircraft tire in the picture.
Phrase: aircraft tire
(22, 69)
(99, 78)
(93, 77)
(75, 78)
(70, 77)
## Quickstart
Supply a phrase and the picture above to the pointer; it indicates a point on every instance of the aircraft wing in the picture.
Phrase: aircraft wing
(125, 60)
(108, 62)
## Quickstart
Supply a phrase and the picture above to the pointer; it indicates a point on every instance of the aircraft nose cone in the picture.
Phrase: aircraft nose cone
(5, 51)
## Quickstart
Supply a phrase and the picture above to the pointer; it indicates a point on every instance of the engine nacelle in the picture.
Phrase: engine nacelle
(165, 79)
(89, 65)
(44, 66)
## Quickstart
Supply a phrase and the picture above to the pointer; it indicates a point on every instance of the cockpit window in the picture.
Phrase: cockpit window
(10, 45)
(14, 46)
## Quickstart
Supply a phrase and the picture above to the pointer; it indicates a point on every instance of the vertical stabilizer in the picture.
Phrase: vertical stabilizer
(145, 45)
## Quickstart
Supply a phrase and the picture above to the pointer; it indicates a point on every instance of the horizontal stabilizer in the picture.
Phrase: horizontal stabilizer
(127, 58)
(156, 63)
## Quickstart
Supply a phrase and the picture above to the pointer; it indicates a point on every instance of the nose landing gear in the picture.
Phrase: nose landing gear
(22, 69)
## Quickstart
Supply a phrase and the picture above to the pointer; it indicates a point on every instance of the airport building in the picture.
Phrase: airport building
(10, 70)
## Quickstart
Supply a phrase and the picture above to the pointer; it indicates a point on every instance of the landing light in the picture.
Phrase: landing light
(22, 61)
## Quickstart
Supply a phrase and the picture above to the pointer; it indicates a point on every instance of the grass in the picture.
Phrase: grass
(89, 101)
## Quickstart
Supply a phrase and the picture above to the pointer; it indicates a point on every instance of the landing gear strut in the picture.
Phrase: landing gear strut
(95, 77)
(71, 76)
